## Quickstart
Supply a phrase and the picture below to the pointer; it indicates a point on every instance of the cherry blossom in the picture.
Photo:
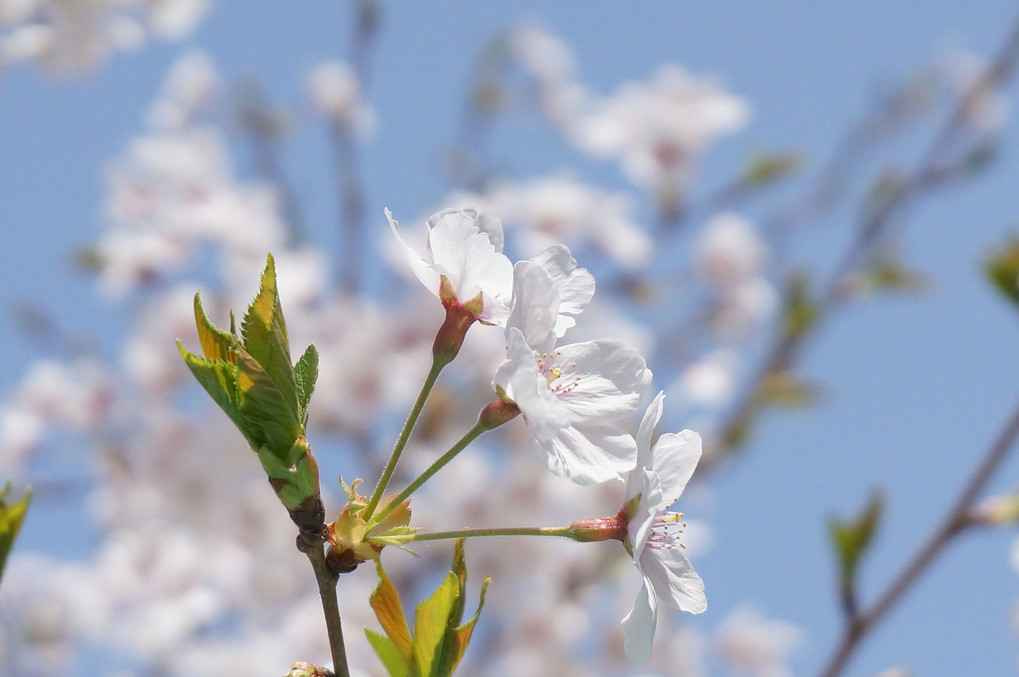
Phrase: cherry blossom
(658, 130)
(653, 531)
(756, 645)
(576, 397)
(465, 265)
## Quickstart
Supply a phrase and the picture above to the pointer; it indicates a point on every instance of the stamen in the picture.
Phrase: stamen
(554, 373)
(666, 530)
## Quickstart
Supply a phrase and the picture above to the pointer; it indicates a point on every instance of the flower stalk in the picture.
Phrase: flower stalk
(492, 416)
(401, 442)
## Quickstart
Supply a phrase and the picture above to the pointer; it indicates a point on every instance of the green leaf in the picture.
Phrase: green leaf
(784, 389)
(850, 540)
(457, 636)
(431, 621)
(306, 373)
(439, 640)
(387, 652)
(219, 378)
(1002, 269)
(460, 637)
(266, 415)
(459, 569)
(765, 168)
(886, 273)
(216, 343)
(385, 602)
(265, 339)
(11, 517)
(800, 312)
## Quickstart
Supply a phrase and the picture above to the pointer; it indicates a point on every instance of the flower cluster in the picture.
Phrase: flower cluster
(575, 398)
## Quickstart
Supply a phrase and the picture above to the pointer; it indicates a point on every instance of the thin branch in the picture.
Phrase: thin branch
(326, 580)
(954, 523)
(346, 158)
(931, 172)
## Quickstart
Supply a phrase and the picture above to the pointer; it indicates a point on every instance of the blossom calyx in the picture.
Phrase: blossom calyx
(595, 529)
(354, 539)
(450, 336)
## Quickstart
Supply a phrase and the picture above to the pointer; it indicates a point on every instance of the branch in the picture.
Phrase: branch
(953, 524)
(930, 173)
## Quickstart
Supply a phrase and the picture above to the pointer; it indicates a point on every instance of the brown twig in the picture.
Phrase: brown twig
(955, 522)
(349, 183)
(326, 580)
(931, 172)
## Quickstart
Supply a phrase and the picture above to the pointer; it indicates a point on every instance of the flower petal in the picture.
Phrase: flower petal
(640, 624)
(576, 286)
(652, 416)
(535, 305)
(674, 458)
(589, 454)
(609, 379)
(650, 489)
(673, 579)
(519, 380)
(422, 269)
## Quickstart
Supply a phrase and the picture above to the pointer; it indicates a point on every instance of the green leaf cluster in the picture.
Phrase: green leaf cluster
(786, 389)
(11, 517)
(886, 273)
(1002, 269)
(440, 635)
(850, 540)
(765, 168)
(800, 311)
(251, 378)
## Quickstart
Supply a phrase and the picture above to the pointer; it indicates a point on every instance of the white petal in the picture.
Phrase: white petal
(535, 305)
(449, 241)
(635, 480)
(576, 287)
(422, 269)
(647, 484)
(610, 379)
(518, 377)
(466, 256)
(674, 458)
(591, 454)
(652, 416)
(673, 579)
(490, 224)
(640, 624)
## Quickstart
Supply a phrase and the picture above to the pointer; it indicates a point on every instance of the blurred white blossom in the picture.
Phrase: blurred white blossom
(658, 130)
(334, 90)
(731, 260)
(78, 35)
(755, 645)
(552, 68)
(562, 209)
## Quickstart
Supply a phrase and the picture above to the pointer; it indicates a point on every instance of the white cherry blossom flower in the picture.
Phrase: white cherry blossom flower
(465, 265)
(653, 531)
(659, 129)
(755, 645)
(334, 90)
(573, 397)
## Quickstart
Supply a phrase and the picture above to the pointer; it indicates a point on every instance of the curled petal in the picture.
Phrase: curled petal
(674, 459)
(639, 625)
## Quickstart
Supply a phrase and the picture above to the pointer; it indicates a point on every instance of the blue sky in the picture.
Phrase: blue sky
(915, 386)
